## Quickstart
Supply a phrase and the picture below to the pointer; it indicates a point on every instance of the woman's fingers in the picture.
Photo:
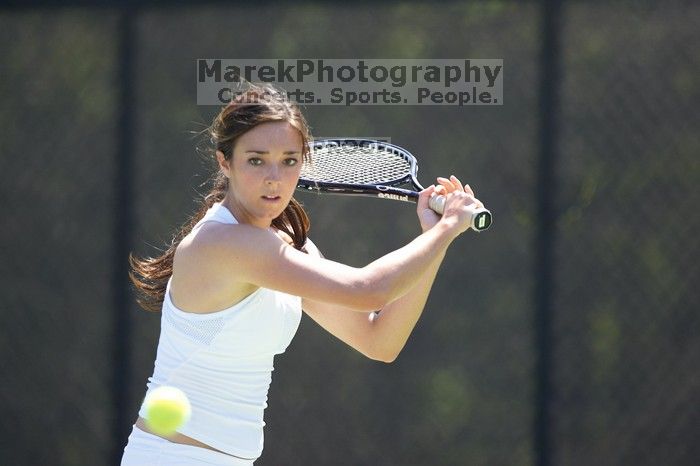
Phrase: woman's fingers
(445, 184)
(425, 196)
(451, 184)
(456, 183)
(467, 198)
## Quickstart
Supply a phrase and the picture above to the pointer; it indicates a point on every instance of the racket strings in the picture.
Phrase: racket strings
(354, 164)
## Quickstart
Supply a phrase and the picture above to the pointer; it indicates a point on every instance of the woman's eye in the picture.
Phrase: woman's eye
(291, 161)
(255, 161)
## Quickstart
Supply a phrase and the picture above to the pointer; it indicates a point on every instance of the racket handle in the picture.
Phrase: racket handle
(481, 218)
(437, 203)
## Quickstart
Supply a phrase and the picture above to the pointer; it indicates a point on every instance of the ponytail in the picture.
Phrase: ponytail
(150, 275)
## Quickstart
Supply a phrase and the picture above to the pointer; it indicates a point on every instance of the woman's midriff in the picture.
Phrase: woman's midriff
(176, 437)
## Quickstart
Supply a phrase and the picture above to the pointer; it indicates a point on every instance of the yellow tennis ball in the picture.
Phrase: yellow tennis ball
(167, 409)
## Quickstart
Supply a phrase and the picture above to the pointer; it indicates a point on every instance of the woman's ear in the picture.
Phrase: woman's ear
(224, 164)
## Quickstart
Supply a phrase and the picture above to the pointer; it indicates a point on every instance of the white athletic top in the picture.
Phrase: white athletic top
(223, 361)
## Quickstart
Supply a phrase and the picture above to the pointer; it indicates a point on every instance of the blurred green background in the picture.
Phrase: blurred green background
(625, 343)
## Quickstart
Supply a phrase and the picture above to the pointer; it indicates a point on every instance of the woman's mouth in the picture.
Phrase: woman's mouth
(271, 198)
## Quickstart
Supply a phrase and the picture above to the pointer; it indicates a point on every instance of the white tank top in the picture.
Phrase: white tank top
(223, 361)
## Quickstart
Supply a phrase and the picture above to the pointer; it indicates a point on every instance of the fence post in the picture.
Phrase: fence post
(123, 218)
(545, 232)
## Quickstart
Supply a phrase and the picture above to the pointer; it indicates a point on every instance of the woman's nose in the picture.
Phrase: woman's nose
(273, 174)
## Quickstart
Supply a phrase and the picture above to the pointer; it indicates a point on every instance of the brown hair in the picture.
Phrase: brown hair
(254, 106)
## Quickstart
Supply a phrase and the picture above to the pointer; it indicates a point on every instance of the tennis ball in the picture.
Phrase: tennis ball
(167, 409)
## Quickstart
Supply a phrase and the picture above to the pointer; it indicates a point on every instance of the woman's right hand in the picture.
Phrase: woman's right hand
(460, 203)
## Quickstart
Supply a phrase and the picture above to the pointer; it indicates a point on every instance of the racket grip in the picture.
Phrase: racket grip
(481, 218)
(437, 203)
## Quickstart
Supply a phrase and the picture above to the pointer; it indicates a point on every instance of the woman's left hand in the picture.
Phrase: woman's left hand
(427, 216)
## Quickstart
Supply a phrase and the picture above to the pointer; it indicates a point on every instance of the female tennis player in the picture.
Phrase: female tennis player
(233, 284)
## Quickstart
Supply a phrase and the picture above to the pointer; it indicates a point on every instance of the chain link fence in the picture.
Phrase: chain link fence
(626, 318)
(625, 315)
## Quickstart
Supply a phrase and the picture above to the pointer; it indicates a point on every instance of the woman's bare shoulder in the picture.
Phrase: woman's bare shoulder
(213, 236)
(198, 284)
(213, 242)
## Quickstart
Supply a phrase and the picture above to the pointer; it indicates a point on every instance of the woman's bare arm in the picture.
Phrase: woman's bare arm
(379, 337)
(383, 336)
(271, 263)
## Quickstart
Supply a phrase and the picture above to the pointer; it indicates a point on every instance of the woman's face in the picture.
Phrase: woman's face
(263, 172)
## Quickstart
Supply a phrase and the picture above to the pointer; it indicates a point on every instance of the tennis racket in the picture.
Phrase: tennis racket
(364, 167)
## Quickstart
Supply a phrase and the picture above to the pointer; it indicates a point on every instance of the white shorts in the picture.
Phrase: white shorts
(144, 449)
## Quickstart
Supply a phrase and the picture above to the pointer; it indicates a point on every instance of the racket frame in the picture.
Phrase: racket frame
(481, 219)
(387, 190)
